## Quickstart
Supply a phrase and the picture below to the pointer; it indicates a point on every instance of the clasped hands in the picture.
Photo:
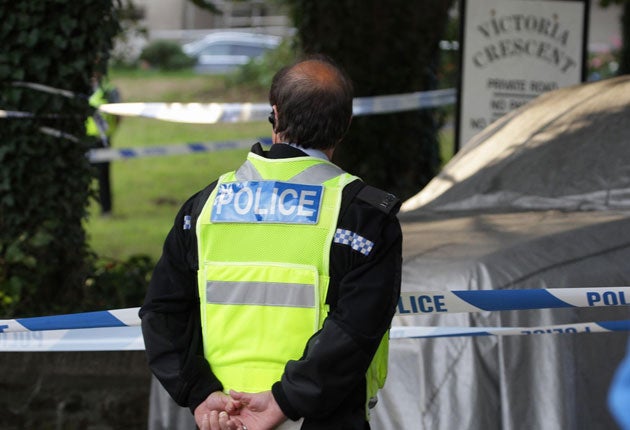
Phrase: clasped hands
(239, 411)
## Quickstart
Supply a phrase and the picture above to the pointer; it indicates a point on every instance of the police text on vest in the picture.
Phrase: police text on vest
(267, 202)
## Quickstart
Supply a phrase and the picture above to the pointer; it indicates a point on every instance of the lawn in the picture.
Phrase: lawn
(147, 192)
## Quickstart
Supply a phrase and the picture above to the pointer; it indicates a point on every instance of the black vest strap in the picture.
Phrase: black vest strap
(198, 204)
(349, 193)
(380, 199)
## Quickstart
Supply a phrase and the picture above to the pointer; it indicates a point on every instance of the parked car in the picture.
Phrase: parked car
(225, 51)
(539, 199)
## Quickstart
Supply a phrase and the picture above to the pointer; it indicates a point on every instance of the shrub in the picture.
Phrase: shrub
(259, 72)
(45, 176)
(116, 284)
(166, 55)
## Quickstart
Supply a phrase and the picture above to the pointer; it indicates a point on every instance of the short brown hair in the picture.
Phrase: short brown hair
(314, 102)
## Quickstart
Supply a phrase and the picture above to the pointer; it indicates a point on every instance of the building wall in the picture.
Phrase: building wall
(184, 15)
(604, 27)
(163, 16)
(74, 390)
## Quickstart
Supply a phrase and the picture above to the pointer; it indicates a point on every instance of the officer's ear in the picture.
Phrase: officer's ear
(272, 120)
(274, 123)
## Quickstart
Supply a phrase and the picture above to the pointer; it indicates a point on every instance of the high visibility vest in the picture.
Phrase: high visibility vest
(107, 122)
(264, 238)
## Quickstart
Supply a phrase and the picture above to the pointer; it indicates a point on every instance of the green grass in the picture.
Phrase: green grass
(447, 139)
(148, 192)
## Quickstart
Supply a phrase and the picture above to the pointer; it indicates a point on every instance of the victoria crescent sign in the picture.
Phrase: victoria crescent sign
(512, 52)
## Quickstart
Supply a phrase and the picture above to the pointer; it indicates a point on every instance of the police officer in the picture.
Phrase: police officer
(619, 393)
(101, 126)
(271, 303)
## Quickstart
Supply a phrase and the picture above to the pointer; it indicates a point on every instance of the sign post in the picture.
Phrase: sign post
(511, 52)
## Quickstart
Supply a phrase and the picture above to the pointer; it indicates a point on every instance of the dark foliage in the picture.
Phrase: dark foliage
(45, 176)
(624, 61)
(166, 55)
(387, 47)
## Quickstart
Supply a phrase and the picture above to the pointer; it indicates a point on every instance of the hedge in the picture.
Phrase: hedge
(45, 176)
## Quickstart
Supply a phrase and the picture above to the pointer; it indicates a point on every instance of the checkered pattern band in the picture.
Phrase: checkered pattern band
(356, 242)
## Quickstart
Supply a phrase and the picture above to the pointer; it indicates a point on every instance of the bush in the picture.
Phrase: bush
(166, 55)
(258, 72)
(117, 284)
(45, 176)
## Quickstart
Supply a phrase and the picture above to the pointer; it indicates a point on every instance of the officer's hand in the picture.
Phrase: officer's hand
(220, 421)
(215, 402)
(259, 411)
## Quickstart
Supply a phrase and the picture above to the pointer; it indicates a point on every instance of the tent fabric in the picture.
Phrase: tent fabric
(539, 199)
(537, 382)
(564, 150)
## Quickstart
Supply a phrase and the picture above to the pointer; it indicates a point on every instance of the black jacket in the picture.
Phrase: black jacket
(327, 385)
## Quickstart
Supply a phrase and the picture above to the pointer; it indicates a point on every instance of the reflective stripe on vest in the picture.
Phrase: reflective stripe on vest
(260, 293)
(316, 174)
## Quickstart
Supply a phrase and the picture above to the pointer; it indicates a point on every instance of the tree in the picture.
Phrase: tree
(45, 175)
(624, 55)
(387, 47)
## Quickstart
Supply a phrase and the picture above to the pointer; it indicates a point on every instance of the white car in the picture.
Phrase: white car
(223, 52)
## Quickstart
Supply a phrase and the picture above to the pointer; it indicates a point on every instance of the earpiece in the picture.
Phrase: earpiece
(272, 120)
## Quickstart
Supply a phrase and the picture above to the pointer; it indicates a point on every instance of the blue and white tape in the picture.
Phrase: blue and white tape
(119, 329)
(425, 303)
(81, 339)
(15, 114)
(58, 133)
(417, 332)
(191, 113)
(129, 338)
(230, 112)
(114, 318)
(114, 330)
(110, 154)
(433, 302)
(212, 113)
(403, 102)
(20, 114)
(48, 89)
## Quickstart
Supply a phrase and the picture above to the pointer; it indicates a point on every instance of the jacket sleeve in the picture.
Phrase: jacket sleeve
(363, 296)
(170, 318)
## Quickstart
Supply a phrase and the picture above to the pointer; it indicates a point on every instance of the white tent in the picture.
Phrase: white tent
(540, 199)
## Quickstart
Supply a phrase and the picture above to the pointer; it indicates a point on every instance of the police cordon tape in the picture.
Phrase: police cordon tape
(82, 339)
(418, 303)
(48, 89)
(15, 114)
(20, 114)
(110, 154)
(119, 329)
(212, 113)
(129, 338)
(457, 301)
(416, 332)
(410, 303)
